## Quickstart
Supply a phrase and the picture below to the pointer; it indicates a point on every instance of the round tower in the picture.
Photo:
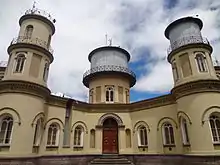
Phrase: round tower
(196, 86)
(189, 53)
(23, 90)
(30, 54)
(109, 80)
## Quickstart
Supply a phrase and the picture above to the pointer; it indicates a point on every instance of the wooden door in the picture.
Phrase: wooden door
(110, 137)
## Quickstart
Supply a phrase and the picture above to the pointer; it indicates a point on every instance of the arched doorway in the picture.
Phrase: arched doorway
(110, 136)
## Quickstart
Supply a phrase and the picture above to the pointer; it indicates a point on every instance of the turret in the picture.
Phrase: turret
(196, 87)
(30, 54)
(189, 53)
(109, 79)
(24, 89)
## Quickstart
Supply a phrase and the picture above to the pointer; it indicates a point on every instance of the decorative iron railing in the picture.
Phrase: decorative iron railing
(185, 41)
(33, 41)
(42, 13)
(108, 68)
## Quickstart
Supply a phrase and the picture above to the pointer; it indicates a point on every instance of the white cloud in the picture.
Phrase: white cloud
(135, 25)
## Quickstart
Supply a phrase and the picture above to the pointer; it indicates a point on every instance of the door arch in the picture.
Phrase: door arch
(110, 136)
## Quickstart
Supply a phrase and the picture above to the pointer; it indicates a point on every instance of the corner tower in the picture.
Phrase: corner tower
(30, 54)
(196, 87)
(109, 79)
(189, 53)
(23, 90)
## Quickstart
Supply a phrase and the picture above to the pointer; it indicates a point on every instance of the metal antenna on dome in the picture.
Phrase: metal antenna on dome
(34, 5)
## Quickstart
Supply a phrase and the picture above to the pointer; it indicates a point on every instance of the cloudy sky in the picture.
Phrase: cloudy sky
(135, 25)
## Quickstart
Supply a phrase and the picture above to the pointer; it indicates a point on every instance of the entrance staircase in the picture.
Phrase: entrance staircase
(111, 160)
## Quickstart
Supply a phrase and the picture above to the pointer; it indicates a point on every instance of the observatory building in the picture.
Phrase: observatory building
(38, 128)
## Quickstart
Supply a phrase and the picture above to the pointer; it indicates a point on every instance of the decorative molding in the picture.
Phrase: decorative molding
(39, 115)
(179, 115)
(13, 110)
(55, 120)
(196, 87)
(164, 119)
(81, 123)
(110, 115)
(15, 86)
(128, 107)
(140, 123)
(205, 112)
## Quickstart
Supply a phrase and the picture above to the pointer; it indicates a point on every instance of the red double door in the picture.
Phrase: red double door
(110, 136)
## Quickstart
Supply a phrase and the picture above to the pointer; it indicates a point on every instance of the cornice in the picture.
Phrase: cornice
(15, 86)
(196, 87)
(96, 108)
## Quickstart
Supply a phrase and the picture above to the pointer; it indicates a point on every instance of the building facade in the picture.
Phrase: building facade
(37, 127)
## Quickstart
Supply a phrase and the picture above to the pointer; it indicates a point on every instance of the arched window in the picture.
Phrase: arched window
(92, 138)
(19, 66)
(184, 130)
(78, 137)
(46, 70)
(109, 94)
(6, 129)
(215, 128)
(201, 62)
(38, 132)
(53, 135)
(28, 31)
(142, 136)
(175, 71)
(168, 134)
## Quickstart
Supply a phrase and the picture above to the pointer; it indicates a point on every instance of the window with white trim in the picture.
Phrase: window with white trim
(109, 94)
(78, 137)
(142, 136)
(201, 62)
(53, 135)
(168, 134)
(38, 132)
(184, 131)
(214, 121)
(28, 31)
(6, 126)
(19, 65)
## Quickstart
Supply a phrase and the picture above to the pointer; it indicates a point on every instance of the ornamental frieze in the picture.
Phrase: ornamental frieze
(196, 87)
(24, 87)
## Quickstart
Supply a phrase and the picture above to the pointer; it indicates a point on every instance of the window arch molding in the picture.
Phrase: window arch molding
(79, 123)
(166, 119)
(15, 115)
(38, 116)
(140, 123)
(110, 115)
(206, 114)
(184, 115)
(54, 120)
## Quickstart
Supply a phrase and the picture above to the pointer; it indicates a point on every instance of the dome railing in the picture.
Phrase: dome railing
(109, 68)
(185, 41)
(33, 41)
(39, 12)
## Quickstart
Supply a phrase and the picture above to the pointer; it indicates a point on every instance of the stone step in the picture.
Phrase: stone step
(110, 159)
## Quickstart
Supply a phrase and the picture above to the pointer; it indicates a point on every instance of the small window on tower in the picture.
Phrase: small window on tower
(201, 62)
(28, 31)
(109, 93)
(20, 60)
(175, 71)
(46, 70)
